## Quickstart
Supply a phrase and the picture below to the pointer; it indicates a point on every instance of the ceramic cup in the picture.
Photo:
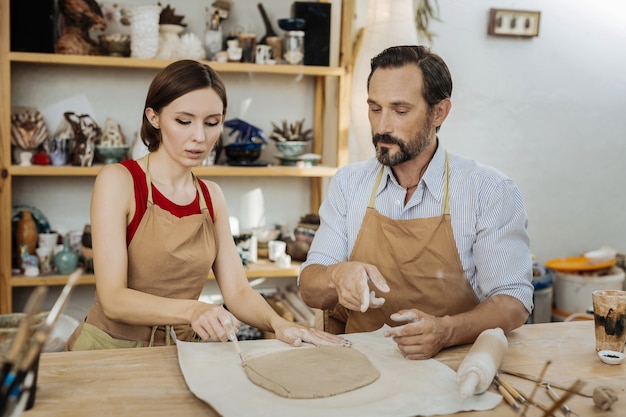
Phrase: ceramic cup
(276, 42)
(48, 240)
(283, 261)
(609, 313)
(247, 41)
(234, 54)
(263, 54)
(276, 248)
(26, 158)
(44, 254)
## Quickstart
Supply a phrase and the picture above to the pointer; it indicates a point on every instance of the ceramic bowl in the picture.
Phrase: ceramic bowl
(292, 23)
(599, 256)
(116, 44)
(292, 147)
(241, 153)
(112, 154)
(611, 357)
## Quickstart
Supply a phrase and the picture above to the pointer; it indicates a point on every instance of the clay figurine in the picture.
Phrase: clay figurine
(86, 133)
(79, 18)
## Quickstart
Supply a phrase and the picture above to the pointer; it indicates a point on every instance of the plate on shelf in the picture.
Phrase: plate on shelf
(302, 161)
(577, 263)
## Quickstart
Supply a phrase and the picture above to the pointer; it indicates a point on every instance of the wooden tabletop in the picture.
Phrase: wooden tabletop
(148, 381)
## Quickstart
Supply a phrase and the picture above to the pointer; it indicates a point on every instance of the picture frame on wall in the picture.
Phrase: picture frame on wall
(515, 23)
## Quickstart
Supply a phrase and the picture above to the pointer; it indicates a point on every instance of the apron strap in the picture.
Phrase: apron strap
(148, 179)
(376, 184)
(168, 340)
(203, 205)
(445, 204)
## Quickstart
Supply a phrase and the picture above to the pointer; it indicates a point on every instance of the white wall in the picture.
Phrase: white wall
(547, 111)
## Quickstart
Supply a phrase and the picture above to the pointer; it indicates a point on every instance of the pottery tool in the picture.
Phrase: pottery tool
(232, 336)
(509, 388)
(560, 402)
(11, 389)
(508, 397)
(557, 398)
(582, 392)
(23, 332)
(515, 394)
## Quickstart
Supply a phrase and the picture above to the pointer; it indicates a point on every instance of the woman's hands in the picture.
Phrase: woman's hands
(294, 334)
(213, 322)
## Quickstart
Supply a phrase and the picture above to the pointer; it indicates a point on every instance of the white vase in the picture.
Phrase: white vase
(144, 31)
(169, 41)
(389, 23)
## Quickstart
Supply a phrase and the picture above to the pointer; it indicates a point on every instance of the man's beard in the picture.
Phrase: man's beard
(407, 150)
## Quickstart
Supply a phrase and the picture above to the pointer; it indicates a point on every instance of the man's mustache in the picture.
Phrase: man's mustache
(386, 139)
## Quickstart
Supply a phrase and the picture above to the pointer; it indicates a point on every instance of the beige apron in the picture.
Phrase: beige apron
(168, 257)
(420, 262)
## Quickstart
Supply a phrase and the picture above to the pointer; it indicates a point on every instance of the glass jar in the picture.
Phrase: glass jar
(294, 47)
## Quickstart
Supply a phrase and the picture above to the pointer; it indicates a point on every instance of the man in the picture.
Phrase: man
(430, 243)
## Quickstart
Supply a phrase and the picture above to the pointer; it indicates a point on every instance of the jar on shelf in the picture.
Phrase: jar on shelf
(294, 47)
(66, 260)
(26, 233)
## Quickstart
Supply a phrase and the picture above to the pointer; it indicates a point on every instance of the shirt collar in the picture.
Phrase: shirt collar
(433, 176)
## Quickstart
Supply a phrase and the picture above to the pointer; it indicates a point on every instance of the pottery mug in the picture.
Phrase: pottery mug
(263, 54)
(609, 313)
(234, 54)
(276, 42)
(247, 42)
(276, 248)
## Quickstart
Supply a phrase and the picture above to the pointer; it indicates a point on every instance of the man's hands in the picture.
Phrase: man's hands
(422, 337)
(350, 279)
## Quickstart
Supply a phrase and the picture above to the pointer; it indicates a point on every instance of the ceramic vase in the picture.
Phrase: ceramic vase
(66, 260)
(26, 233)
(168, 41)
(144, 31)
(389, 23)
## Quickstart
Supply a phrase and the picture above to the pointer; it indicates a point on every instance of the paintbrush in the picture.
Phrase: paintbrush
(23, 331)
(12, 386)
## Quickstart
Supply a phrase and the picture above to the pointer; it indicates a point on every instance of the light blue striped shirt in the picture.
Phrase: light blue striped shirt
(487, 211)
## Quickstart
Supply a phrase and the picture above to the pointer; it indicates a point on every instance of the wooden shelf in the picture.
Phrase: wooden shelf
(207, 171)
(332, 143)
(261, 269)
(121, 62)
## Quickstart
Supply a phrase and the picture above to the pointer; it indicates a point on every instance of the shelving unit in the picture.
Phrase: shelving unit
(316, 174)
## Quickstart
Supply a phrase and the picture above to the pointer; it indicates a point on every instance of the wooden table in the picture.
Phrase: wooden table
(148, 381)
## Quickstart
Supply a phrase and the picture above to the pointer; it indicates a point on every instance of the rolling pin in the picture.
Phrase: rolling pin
(477, 370)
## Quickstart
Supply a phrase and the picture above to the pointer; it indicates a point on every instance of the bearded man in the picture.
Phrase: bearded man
(428, 242)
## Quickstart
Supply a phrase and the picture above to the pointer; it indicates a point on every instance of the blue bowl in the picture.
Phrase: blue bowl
(243, 152)
(291, 23)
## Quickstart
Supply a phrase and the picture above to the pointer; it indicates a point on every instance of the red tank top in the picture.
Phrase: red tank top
(141, 199)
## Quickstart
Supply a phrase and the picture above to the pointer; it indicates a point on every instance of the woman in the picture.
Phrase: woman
(157, 231)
